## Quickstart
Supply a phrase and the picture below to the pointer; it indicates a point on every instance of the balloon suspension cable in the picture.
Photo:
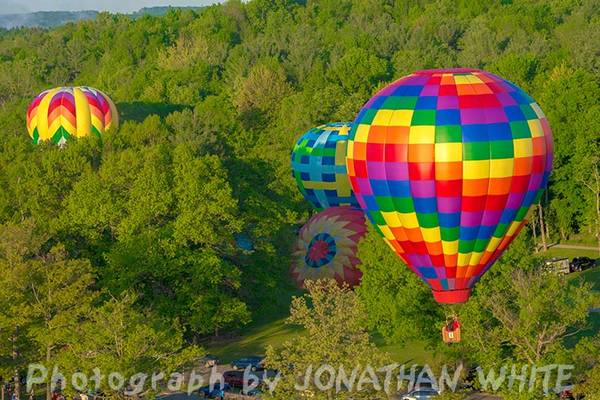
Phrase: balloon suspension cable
(451, 312)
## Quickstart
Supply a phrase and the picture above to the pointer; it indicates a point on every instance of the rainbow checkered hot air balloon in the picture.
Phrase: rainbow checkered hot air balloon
(60, 113)
(327, 245)
(319, 166)
(446, 164)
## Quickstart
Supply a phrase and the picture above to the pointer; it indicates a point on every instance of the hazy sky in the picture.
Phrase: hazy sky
(20, 6)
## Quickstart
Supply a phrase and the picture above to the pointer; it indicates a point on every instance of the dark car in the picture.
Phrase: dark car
(237, 378)
(216, 391)
(421, 394)
(234, 378)
(581, 264)
(255, 363)
(253, 393)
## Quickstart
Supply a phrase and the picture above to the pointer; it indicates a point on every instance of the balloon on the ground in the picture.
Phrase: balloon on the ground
(64, 112)
(319, 166)
(327, 245)
(446, 164)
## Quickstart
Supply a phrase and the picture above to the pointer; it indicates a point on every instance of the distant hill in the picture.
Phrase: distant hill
(157, 11)
(43, 19)
(49, 19)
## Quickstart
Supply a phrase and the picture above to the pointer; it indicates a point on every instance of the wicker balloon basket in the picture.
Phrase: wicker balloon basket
(451, 331)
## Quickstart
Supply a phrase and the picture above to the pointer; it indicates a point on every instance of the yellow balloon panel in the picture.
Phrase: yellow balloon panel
(60, 113)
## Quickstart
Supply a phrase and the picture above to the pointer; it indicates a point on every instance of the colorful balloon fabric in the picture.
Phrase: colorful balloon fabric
(319, 166)
(446, 164)
(326, 247)
(60, 113)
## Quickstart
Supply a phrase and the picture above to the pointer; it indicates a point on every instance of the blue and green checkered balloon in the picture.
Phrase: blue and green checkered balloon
(319, 166)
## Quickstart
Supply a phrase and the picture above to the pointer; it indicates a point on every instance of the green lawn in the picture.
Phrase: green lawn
(253, 341)
(592, 330)
(581, 240)
(410, 353)
(569, 253)
(591, 276)
(256, 339)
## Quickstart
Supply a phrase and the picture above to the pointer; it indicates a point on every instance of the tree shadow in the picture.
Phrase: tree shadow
(138, 110)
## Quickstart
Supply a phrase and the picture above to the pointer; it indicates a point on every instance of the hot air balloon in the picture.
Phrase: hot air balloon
(446, 164)
(326, 247)
(60, 113)
(319, 166)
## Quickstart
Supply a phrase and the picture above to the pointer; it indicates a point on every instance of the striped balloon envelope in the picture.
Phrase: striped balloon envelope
(446, 164)
(327, 245)
(64, 112)
(319, 166)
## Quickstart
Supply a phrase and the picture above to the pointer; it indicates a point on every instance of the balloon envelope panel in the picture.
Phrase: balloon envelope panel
(319, 166)
(327, 245)
(60, 113)
(446, 164)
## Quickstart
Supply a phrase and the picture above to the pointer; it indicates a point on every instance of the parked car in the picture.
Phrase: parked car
(421, 394)
(255, 363)
(566, 393)
(216, 391)
(209, 361)
(234, 378)
(253, 393)
(237, 378)
(581, 264)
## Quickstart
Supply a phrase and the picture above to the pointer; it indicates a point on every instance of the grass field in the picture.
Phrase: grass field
(256, 339)
(581, 240)
(409, 353)
(569, 253)
(591, 276)
(252, 342)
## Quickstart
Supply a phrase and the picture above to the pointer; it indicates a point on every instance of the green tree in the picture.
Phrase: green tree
(17, 244)
(51, 295)
(260, 92)
(61, 298)
(119, 338)
(521, 316)
(401, 306)
(206, 211)
(334, 334)
(586, 162)
(566, 95)
(359, 71)
(532, 312)
(586, 357)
